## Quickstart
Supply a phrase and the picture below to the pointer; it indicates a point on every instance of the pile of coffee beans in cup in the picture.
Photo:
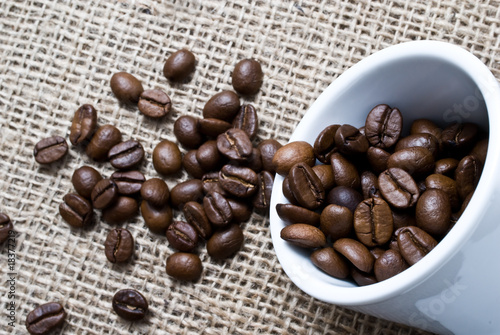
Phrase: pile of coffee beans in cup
(377, 201)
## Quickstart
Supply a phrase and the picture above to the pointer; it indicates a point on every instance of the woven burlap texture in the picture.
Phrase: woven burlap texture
(58, 55)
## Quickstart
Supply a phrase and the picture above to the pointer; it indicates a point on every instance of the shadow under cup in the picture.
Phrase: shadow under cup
(445, 84)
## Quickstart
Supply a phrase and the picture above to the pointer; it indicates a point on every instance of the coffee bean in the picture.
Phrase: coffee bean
(208, 156)
(154, 103)
(425, 126)
(459, 138)
(383, 126)
(428, 141)
(325, 175)
(324, 145)
(156, 192)
(179, 65)
(303, 235)
(241, 210)
(126, 155)
(329, 261)
(267, 150)
(104, 139)
(467, 175)
(344, 172)
(403, 218)
(83, 125)
(247, 120)
(226, 242)
(356, 253)
(291, 154)
(417, 161)
(377, 252)
(126, 88)
(480, 149)
(217, 209)
(50, 150)
(45, 318)
(350, 141)
(122, 210)
(306, 186)
(377, 158)
(84, 179)
(184, 266)
(76, 210)
(6, 227)
(235, 144)
(240, 182)
(213, 127)
(446, 166)
(297, 214)
(223, 106)
(389, 264)
(287, 191)
(369, 185)
(189, 190)
(254, 161)
(373, 222)
(157, 219)
(336, 222)
(128, 182)
(362, 278)
(414, 243)
(130, 304)
(119, 245)
(192, 165)
(446, 184)
(398, 188)
(187, 132)
(194, 213)
(210, 183)
(344, 196)
(182, 236)
(433, 212)
(247, 77)
(167, 158)
(262, 198)
(104, 194)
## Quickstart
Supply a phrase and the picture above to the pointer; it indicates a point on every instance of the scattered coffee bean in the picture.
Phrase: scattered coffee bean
(217, 209)
(226, 242)
(213, 127)
(76, 210)
(184, 266)
(262, 198)
(83, 125)
(179, 65)
(119, 245)
(247, 77)
(126, 155)
(128, 182)
(187, 131)
(6, 227)
(189, 190)
(84, 179)
(130, 304)
(45, 318)
(267, 150)
(208, 156)
(182, 236)
(50, 150)
(247, 120)
(223, 106)
(241, 210)
(167, 158)
(157, 219)
(192, 165)
(235, 144)
(104, 139)
(156, 192)
(122, 210)
(104, 194)
(154, 103)
(195, 215)
(126, 88)
(291, 154)
(240, 182)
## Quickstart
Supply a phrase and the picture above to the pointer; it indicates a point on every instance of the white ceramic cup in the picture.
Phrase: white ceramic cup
(456, 287)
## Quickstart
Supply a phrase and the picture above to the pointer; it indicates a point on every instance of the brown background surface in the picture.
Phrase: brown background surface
(58, 55)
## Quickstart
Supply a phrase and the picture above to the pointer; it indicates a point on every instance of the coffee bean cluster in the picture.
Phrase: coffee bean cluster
(378, 201)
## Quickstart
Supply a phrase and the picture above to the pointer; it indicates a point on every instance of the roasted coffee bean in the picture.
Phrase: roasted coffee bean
(104, 139)
(377, 252)
(126, 155)
(377, 158)
(445, 184)
(254, 161)
(119, 245)
(184, 266)
(356, 253)
(403, 218)
(425, 126)
(208, 156)
(428, 141)
(223, 106)
(83, 125)
(76, 210)
(6, 227)
(217, 209)
(324, 145)
(189, 190)
(414, 243)
(362, 278)
(235, 144)
(297, 214)
(344, 196)
(226, 242)
(104, 194)
(50, 150)
(167, 158)
(291, 154)
(329, 261)
(210, 183)
(195, 215)
(122, 210)
(455, 216)
(154, 103)
(287, 192)
(128, 182)
(238, 181)
(373, 222)
(480, 150)
(126, 88)
(306, 186)
(156, 192)
(389, 264)
(262, 198)
(467, 175)
(267, 150)
(446, 166)
(325, 175)
(45, 318)
(369, 185)
(182, 236)
(398, 188)
(247, 77)
(350, 141)
(383, 126)
(459, 138)
(247, 120)
(179, 65)
(186, 130)
(191, 164)
(336, 222)
(344, 172)
(303, 235)
(433, 212)
(130, 304)
(241, 210)
(84, 179)
(417, 161)
(157, 219)
(213, 127)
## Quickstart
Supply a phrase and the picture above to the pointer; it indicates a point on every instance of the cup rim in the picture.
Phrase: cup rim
(465, 226)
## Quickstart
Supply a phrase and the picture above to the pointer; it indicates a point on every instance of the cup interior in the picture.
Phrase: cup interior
(424, 79)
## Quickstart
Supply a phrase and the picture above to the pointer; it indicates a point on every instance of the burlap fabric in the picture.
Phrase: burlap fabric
(58, 55)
